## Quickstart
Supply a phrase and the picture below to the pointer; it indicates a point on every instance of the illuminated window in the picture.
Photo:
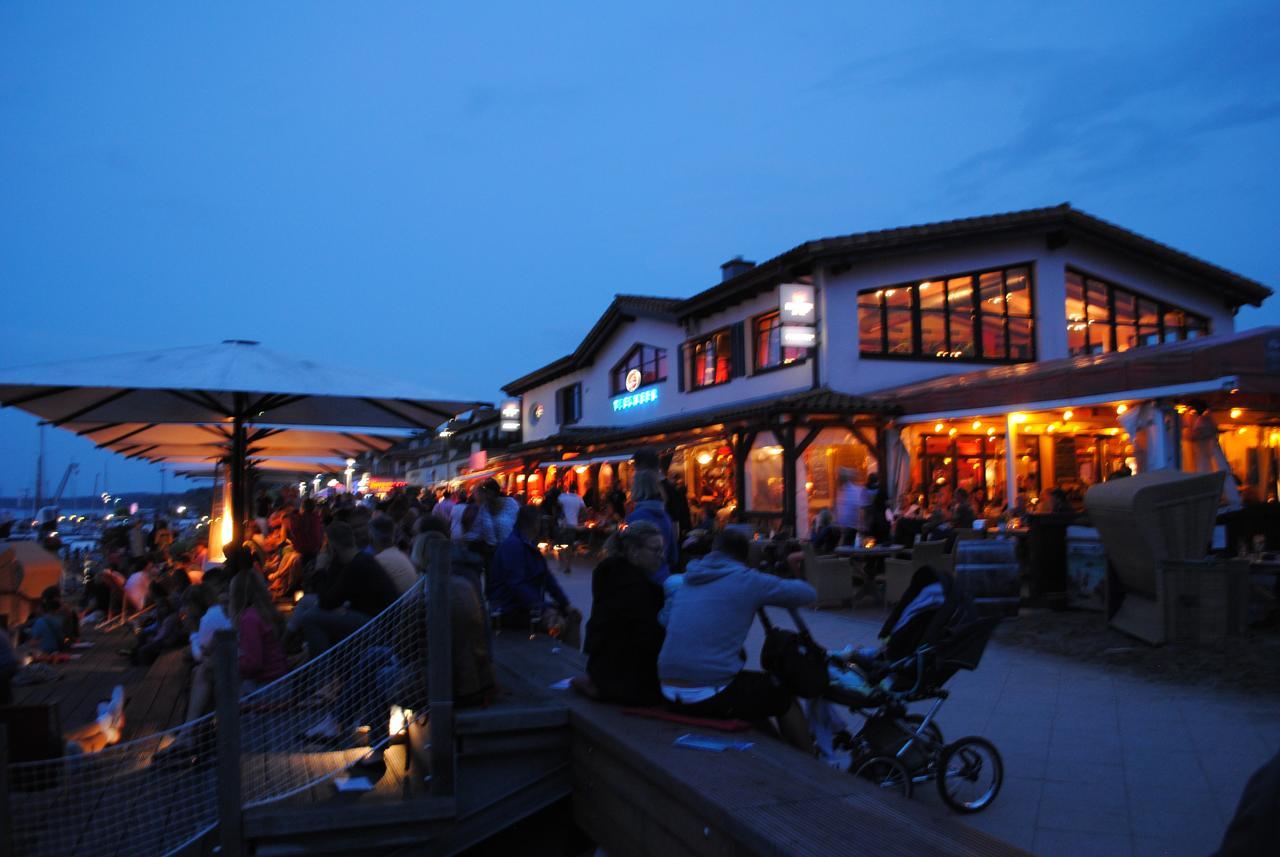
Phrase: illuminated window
(648, 360)
(767, 337)
(711, 360)
(1103, 317)
(984, 316)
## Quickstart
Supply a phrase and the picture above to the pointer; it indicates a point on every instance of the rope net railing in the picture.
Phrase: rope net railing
(157, 794)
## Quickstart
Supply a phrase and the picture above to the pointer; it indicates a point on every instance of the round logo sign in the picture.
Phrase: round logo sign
(633, 380)
(536, 413)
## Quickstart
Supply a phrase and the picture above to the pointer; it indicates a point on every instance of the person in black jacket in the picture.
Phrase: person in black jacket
(623, 635)
(355, 590)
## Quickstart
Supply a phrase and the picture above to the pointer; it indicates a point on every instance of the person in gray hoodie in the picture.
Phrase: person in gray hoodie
(701, 664)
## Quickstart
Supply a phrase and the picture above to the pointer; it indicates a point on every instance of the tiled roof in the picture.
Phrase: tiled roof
(622, 308)
(1062, 218)
(649, 305)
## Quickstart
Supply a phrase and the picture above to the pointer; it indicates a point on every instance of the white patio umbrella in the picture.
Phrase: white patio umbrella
(235, 384)
(164, 442)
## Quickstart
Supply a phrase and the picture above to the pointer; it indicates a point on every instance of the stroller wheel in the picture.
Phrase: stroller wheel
(970, 774)
(885, 772)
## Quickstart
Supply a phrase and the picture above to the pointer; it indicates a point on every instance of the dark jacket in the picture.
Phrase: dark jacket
(1255, 828)
(623, 634)
(519, 578)
(361, 582)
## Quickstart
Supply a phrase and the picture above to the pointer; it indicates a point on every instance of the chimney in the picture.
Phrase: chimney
(735, 266)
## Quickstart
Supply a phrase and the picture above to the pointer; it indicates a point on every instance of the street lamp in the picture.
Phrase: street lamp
(351, 469)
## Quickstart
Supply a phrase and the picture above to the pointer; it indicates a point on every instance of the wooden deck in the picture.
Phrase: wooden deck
(636, 793)
(156, 695)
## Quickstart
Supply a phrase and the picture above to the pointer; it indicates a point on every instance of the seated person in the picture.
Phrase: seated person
(8, 666)
(701, 663)
(398, 566)
(54, 627)
(163, 631)
(962, 514)
(137, 588)
(624, 636)
(520, 584)
(473, 678)
(261, 631)
(826, 535)
(354, 589)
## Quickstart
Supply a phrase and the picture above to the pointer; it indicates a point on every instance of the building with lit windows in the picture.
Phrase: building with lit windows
(1000, 354)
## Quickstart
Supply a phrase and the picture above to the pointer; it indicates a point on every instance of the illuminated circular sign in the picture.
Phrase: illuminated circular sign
(536, 413)
(633, 380)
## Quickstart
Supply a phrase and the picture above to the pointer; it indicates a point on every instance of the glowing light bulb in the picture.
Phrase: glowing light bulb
(1067, 415)
(976, 424)
(1235, 413)
(938, 427)
(1121, 409)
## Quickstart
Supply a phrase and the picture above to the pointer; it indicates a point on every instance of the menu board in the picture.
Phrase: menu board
(1065, 467)
(820, 475)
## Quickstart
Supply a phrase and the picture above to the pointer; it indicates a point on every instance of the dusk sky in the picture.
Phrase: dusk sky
(454, 193)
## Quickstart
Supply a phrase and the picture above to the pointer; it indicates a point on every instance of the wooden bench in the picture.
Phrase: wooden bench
(635, 792)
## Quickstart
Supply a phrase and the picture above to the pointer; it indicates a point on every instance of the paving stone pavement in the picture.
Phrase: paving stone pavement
(1096, 763)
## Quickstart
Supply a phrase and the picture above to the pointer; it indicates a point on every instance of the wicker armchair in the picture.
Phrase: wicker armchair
(832, 576)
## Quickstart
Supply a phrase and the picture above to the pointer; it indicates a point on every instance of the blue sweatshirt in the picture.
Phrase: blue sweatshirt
(712, 613)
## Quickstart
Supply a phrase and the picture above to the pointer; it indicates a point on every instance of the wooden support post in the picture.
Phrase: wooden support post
(440, 669)
(785, 434)
(741, 444)
(6, 827)
(226, 690)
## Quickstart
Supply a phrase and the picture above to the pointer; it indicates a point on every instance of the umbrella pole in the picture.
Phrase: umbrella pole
(238, 473)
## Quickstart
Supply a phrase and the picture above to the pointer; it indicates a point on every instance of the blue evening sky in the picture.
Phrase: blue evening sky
(455, 191)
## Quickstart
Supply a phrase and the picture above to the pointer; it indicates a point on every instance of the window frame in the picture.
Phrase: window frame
(979, 317)
(690, 349)
(1190, 320)
(562, 394)
(756, 367)
(618, 384)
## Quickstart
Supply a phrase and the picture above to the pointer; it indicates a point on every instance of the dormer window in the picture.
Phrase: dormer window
(643, 365)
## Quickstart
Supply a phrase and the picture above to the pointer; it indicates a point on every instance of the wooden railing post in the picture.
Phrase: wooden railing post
(227, 697)
(6, 827)
(440, 668)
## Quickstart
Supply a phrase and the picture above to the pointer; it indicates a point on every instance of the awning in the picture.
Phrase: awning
(577, 462)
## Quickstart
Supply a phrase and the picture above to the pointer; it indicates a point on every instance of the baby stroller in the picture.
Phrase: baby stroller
(932, 634)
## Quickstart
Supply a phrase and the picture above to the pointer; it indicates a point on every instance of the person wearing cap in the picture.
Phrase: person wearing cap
(356, 589)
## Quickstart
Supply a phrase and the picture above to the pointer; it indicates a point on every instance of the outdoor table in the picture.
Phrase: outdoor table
(869, 562)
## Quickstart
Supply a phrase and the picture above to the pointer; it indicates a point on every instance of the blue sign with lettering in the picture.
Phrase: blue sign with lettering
(634, 400)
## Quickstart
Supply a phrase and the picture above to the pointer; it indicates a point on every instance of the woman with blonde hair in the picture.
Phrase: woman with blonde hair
(650, 505)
